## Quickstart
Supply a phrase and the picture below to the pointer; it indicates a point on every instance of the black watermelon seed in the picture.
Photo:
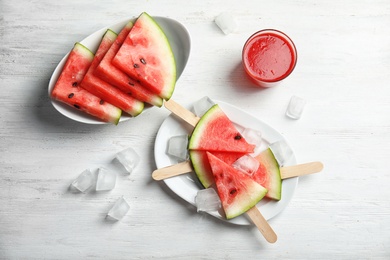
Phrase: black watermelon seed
(70, 95)
(101, 102)
(74, 84)
(76, 106)
(232, 191)
(237, 137)
(136, 65)
(131, 83)
(142, 61)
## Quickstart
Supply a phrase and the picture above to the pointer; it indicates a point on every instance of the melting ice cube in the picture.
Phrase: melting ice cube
(254, 137)
(202, 105)
(84, 181)
(281, 151)
(177, 146)
(226, 23)
(128, 158)
(207, 200)
(119, 210)
(295, 107)
(105, 180)
(247, 164)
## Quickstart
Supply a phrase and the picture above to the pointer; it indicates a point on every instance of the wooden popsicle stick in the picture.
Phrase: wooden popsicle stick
(262, 224)
(285, 172)
(300, 169)
(182, 112)
(172, 170)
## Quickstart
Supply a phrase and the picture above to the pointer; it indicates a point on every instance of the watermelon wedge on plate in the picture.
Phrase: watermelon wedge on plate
(108, 72)
(67, 87)
(216, 132)
(105, 90)
(147, 57)
(186, 186)
(237, 191)
(268, 174)
(202, 166)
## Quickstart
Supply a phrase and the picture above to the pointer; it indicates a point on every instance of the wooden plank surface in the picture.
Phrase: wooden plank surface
(343, 72)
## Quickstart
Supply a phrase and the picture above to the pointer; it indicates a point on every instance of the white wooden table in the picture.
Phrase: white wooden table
(343, 72)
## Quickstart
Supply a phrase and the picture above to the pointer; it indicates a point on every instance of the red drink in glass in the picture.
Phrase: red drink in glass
(269, 56)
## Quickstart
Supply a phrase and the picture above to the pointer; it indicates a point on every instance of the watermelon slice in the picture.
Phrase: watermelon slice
(215, 132)
(147, 57)
(202, 166)
(105, 90)
(106, 71)
(268, 174)
(68, 91)
(237, 191)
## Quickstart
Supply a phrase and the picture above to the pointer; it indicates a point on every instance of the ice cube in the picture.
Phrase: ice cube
(106, 179)
(84, 181)
(226, 22)
(207, 200)
(254, 137)
(202, 105)
(295, 107)
(247, 164)
(129, 159)
(177, 146)
(119, 210)
(281, 151)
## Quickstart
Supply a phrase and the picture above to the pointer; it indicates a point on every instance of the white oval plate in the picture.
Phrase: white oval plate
(178, 37)
(186, 186)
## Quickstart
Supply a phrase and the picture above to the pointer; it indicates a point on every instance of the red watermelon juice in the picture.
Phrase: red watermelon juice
(269, 56)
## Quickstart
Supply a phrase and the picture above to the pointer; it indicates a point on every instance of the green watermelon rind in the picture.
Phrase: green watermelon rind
(84, 51)
(168, 92)
(111, 34)
(255, 188)
(273, 172)
(197, 133)
(199, 168)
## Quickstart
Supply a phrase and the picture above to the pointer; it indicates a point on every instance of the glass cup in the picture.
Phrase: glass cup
(268, 57)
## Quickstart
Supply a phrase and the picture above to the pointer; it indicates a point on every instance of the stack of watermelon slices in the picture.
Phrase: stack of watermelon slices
(215, 144)
(135, 67)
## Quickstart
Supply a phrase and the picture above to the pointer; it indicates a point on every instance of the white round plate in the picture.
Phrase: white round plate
(179, 39)
(186, 186)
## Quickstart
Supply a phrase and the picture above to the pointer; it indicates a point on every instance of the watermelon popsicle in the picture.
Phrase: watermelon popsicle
(186, 166)
(286, 172)
(223, 137)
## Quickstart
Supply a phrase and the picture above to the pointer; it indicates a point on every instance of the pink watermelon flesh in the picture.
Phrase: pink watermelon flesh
(268, 174)
(106, 71)
(68, 91)
(202, 166)
(215, 132)
(237, 191)
(103, 89)
(147, 57)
